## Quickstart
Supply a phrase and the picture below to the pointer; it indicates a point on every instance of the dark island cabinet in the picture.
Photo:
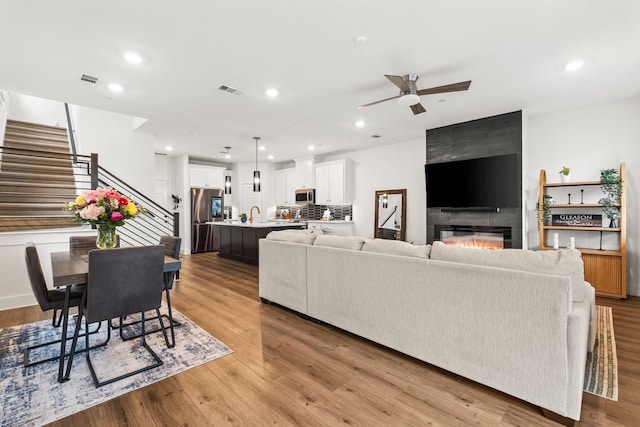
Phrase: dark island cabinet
(240, 243)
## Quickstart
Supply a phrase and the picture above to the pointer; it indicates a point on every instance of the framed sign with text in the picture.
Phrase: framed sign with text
(577, 220)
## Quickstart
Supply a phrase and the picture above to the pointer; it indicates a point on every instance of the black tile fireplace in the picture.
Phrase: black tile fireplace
(474, 236)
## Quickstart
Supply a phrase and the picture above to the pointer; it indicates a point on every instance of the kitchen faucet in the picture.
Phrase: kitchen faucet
(251, 213)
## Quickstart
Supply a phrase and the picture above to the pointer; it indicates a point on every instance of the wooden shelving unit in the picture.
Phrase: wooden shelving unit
(606, 270)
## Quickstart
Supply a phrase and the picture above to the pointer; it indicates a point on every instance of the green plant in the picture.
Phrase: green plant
(243, 215)
(611, 184)
(547, 201)
(565, 170)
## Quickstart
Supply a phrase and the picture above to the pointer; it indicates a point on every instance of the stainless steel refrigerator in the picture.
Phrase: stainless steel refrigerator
(207, 205)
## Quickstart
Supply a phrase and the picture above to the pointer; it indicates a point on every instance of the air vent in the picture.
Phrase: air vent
(230, 89)
(160, 154)
(89, 79)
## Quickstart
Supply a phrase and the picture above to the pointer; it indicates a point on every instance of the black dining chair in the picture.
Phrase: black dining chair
(171, 246)
(48, 299)
(83, 244)
(171, 249)
(122, 281)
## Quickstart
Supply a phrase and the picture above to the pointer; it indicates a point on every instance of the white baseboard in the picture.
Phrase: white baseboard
(16, 301)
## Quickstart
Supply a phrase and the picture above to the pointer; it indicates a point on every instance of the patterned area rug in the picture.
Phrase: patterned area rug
(601, 376)
(33, 397)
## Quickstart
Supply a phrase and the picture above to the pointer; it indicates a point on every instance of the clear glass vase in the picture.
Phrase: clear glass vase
(106, 236)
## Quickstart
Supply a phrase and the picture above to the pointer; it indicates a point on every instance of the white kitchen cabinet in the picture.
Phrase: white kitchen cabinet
(286, 181)
(206, 176)
(337, 228)
(332, 182)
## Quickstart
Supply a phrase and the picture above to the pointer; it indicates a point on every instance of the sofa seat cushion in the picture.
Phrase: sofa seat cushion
(396, 247)
(342, 242)
(563, 262)
(306, 237)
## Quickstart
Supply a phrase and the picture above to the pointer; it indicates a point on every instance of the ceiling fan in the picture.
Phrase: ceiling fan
(410, 95)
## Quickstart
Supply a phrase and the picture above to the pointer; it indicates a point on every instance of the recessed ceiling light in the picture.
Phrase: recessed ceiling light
(115, 87)
(360, 40)
(574, 65)
(311, 148)
(270, 157)
(168, 148)
(262, 148)
(132, 57)
(227, 156)
(360, 123)
(272, 92)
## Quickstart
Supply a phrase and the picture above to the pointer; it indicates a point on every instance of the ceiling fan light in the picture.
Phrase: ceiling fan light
(409, 99)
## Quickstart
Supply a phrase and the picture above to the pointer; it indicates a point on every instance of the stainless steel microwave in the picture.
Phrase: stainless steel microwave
(305, 196)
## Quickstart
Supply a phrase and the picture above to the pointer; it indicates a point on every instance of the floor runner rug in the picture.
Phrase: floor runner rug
(601, 376)
(32, 396)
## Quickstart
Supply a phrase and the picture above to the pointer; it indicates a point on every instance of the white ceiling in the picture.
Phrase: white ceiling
(513, 51)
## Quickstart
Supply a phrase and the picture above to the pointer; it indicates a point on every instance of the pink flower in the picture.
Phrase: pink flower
(91, 212)
(116, 216)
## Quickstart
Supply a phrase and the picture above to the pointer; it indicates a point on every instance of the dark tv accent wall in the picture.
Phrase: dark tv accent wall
(491, 136)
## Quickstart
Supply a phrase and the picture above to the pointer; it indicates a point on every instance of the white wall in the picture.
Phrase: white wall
(390, 167)
(126, 153)
(587, 140)
(37, 110)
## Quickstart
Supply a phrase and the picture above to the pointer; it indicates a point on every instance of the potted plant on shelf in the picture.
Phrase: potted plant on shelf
(611, 186)
(565, 174)
(545, 211)
(243, 217)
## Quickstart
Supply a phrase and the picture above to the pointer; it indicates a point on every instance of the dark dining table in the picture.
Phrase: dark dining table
(71, 268)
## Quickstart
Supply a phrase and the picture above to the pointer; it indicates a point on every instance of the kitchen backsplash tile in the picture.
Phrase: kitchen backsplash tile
(314, 212)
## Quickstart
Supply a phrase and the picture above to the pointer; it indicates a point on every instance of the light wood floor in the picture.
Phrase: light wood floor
(289, 371)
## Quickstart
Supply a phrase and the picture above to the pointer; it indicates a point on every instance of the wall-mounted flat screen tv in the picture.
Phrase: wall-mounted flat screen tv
(489, 182)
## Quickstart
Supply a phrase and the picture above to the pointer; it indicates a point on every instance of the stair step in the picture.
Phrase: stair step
(34, 138)
(11, 176)
(36, 157)
(30, 209)
(24, 223)
(36, 126)
(40, 187)
(13, 197)
(35, 168)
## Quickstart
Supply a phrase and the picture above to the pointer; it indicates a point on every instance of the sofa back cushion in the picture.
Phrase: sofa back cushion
(563, 262)
(396, 247)
(306, 237)
(343, 242)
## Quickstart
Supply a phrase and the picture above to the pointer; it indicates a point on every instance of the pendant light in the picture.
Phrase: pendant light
(227, 182)
(256, 172)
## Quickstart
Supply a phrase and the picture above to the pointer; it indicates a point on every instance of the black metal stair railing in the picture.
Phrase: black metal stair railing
(147, 227)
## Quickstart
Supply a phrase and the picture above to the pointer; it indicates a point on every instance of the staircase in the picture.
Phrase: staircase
(36, 177)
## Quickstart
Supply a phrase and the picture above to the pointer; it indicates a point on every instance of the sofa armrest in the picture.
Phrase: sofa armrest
(283, 273)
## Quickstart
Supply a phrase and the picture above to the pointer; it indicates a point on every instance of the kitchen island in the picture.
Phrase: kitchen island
(239, 241)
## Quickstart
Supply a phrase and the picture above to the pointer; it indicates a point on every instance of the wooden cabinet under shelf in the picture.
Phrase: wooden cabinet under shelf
(606, 270)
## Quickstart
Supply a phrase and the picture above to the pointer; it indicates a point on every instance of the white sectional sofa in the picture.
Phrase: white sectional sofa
(515, 320)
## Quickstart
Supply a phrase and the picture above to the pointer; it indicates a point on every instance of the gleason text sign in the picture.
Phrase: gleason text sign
(577, 220)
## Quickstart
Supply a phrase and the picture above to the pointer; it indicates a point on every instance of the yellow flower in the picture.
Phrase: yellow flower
(132, 209)
(80, 201)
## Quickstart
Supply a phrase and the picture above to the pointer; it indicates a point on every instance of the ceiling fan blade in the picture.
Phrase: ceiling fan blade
(455, 87)
(378, 102)
(398, 81)
(417, 109)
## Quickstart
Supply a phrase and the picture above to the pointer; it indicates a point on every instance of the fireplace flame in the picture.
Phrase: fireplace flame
(474, 242)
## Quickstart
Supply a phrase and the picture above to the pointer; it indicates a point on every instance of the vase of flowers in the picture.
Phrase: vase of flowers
(107, 209)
